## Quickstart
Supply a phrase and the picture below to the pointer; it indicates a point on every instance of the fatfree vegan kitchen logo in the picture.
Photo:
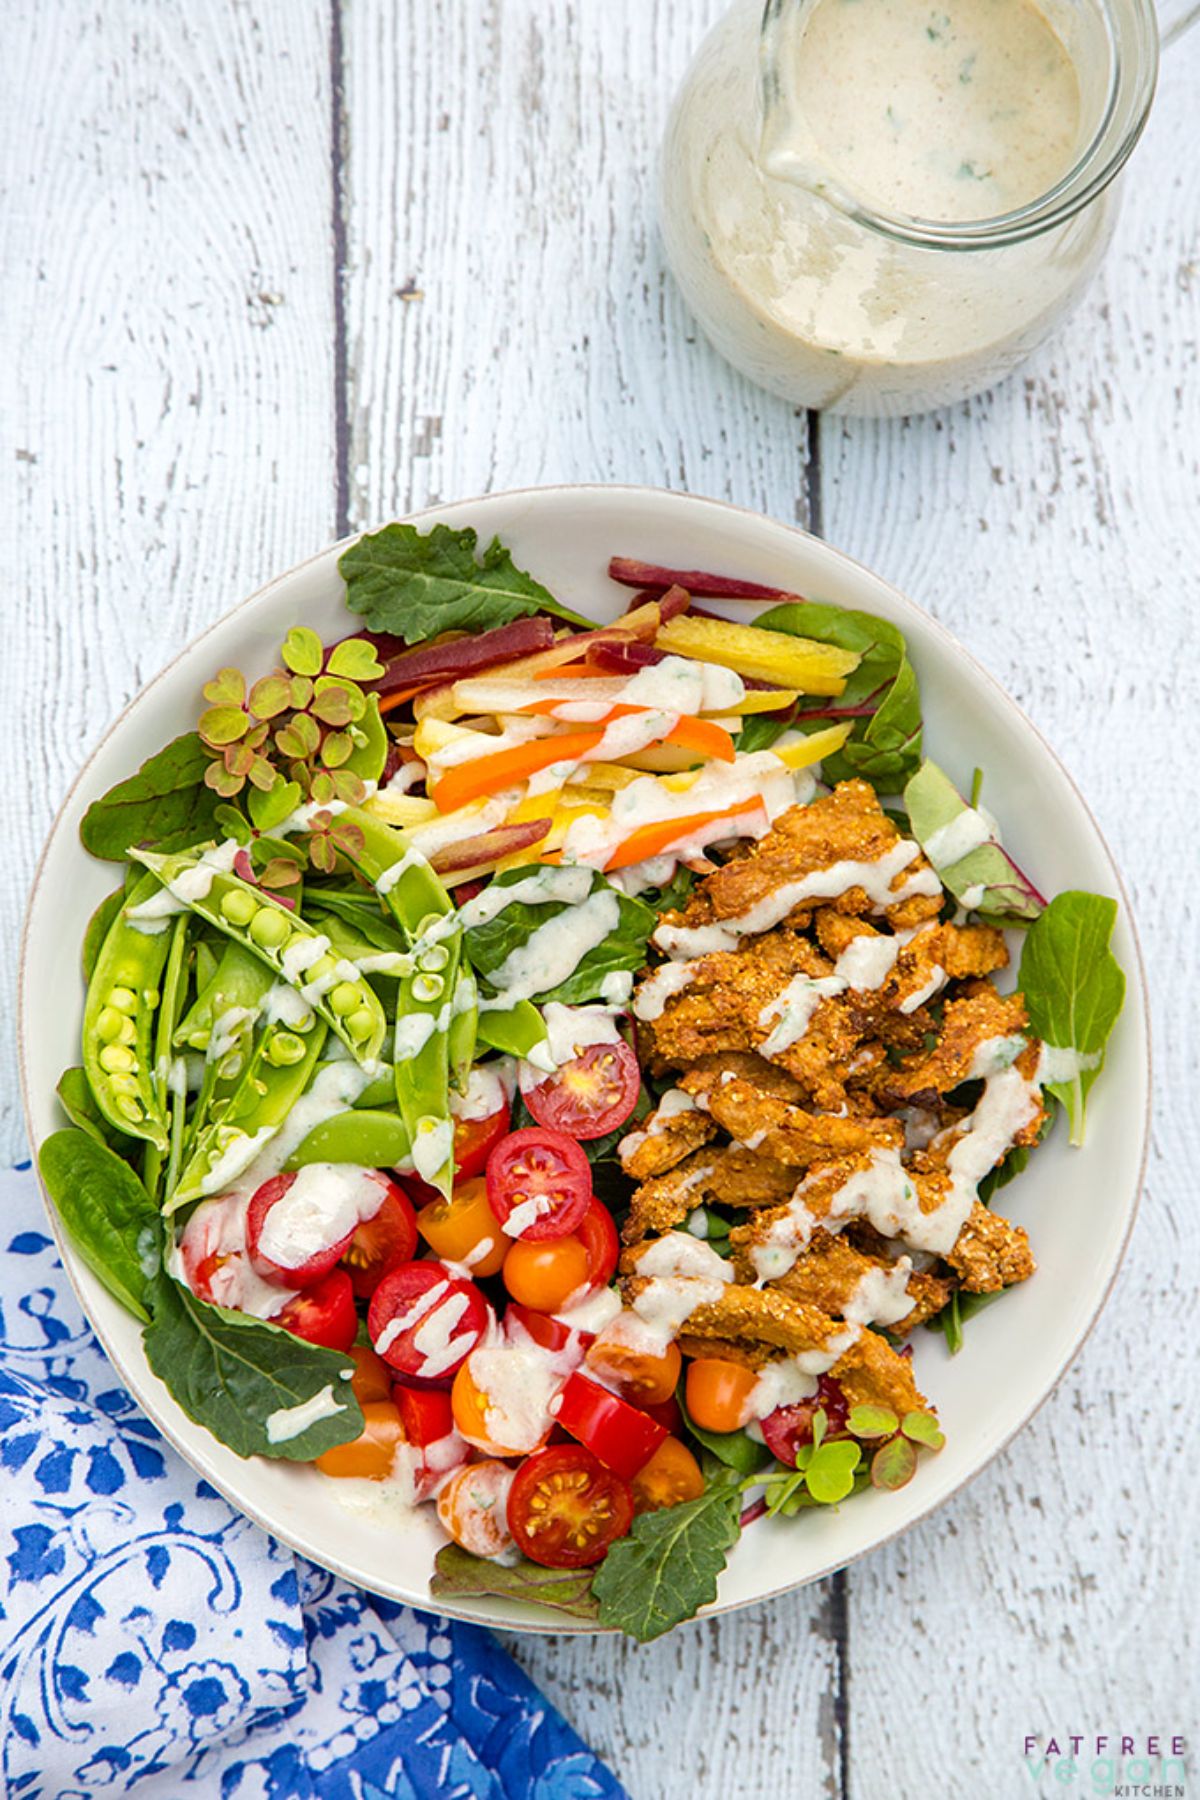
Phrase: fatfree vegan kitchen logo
(1145, 1767)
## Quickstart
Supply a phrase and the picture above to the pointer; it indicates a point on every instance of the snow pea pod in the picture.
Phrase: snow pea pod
(240, 984)
(371, 1138)
(171, 1093)
(464, 1020)
(275, 1077)
(425, 1000)
(331, 985)
(118, 1024)
(517, 1030)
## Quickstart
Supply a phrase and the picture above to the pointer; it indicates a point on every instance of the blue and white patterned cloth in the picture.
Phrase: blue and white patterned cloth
(153, 1641)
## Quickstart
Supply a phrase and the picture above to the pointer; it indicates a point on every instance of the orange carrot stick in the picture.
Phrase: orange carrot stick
(483, 775)
(661, 834)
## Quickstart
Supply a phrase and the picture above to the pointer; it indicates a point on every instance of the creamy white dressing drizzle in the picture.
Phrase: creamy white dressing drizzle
(875, 878)
(287, 1422)
(323, 1205)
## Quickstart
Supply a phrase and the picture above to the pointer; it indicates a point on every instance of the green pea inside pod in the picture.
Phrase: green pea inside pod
(287, 943)
(119, 1019)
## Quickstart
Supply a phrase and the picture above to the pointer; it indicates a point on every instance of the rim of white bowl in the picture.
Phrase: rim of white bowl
(481, 1614)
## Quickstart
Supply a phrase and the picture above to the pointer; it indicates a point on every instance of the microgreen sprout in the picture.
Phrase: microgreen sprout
(872, 1422)
(894, 1463)
(301, 723)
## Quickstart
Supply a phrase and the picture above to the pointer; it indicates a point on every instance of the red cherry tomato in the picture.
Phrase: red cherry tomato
(425, 1414)
(521, 1322)
(590, 1095)
(425, 1322)
(789, 1427)
(565, 1508)
(324, 1313)
(379, 1243)
(475, 1139)
(600, 1239)
(622, 1436)
(542, 1166)
(303, 1274)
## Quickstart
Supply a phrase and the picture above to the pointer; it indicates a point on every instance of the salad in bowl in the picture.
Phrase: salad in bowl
(542, 1073)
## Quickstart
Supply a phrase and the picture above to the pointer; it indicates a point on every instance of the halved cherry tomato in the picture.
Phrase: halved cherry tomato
(425, 1322)
(622, 1436)
(638, 1375)
(522, 1322)
(370, 1456)
(389, 1238)
(603, 1245)
(464, 1229)
(425, 1413)
(544, 1276)
(475, 1139)
(301, 1274)
(472, 1507)
(324, 1313)
(718, 1393)
(789, 1427)
(372, 1379)
(544, 1172)
(565, 1508)
(670, 1477)
(471, 1404)
(590, 1095)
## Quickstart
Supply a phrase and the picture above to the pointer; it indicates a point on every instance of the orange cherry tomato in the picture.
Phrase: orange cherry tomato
(470, 1403)
(545, 1275)
(718, 1393)
(372, 1379)
(671, 1476)
(458, 1229)
(638, 1375)
(472, 1507)
(370, 1456)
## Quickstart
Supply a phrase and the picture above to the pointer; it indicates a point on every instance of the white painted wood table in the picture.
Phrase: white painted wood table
(276, 270)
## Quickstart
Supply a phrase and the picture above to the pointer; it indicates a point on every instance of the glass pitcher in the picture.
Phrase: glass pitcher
(795, 209)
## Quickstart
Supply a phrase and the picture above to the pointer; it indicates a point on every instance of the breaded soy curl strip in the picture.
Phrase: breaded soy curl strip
(331, 985)
(119, 1021)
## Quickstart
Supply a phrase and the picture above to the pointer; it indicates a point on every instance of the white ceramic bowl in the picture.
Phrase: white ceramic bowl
(1077, 1204)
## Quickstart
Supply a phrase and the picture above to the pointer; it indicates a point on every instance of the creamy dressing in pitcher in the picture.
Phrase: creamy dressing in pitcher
(960, 110)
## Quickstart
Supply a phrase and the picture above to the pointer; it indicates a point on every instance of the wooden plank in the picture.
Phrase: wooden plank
(509, 322)
(509, 318)
(167, 367)
(1053, 525)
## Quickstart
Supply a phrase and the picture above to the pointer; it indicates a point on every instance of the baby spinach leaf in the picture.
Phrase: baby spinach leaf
(1074, 988)
(884, 746)
(623, 949)
(77, 1100)
(419, 583)
(165, 804)
(667, 1568)
(964, 847)
(457, 1575)
(232, 1374)
(111, 1218)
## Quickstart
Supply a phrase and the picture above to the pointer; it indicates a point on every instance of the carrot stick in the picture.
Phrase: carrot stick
(660, 834)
